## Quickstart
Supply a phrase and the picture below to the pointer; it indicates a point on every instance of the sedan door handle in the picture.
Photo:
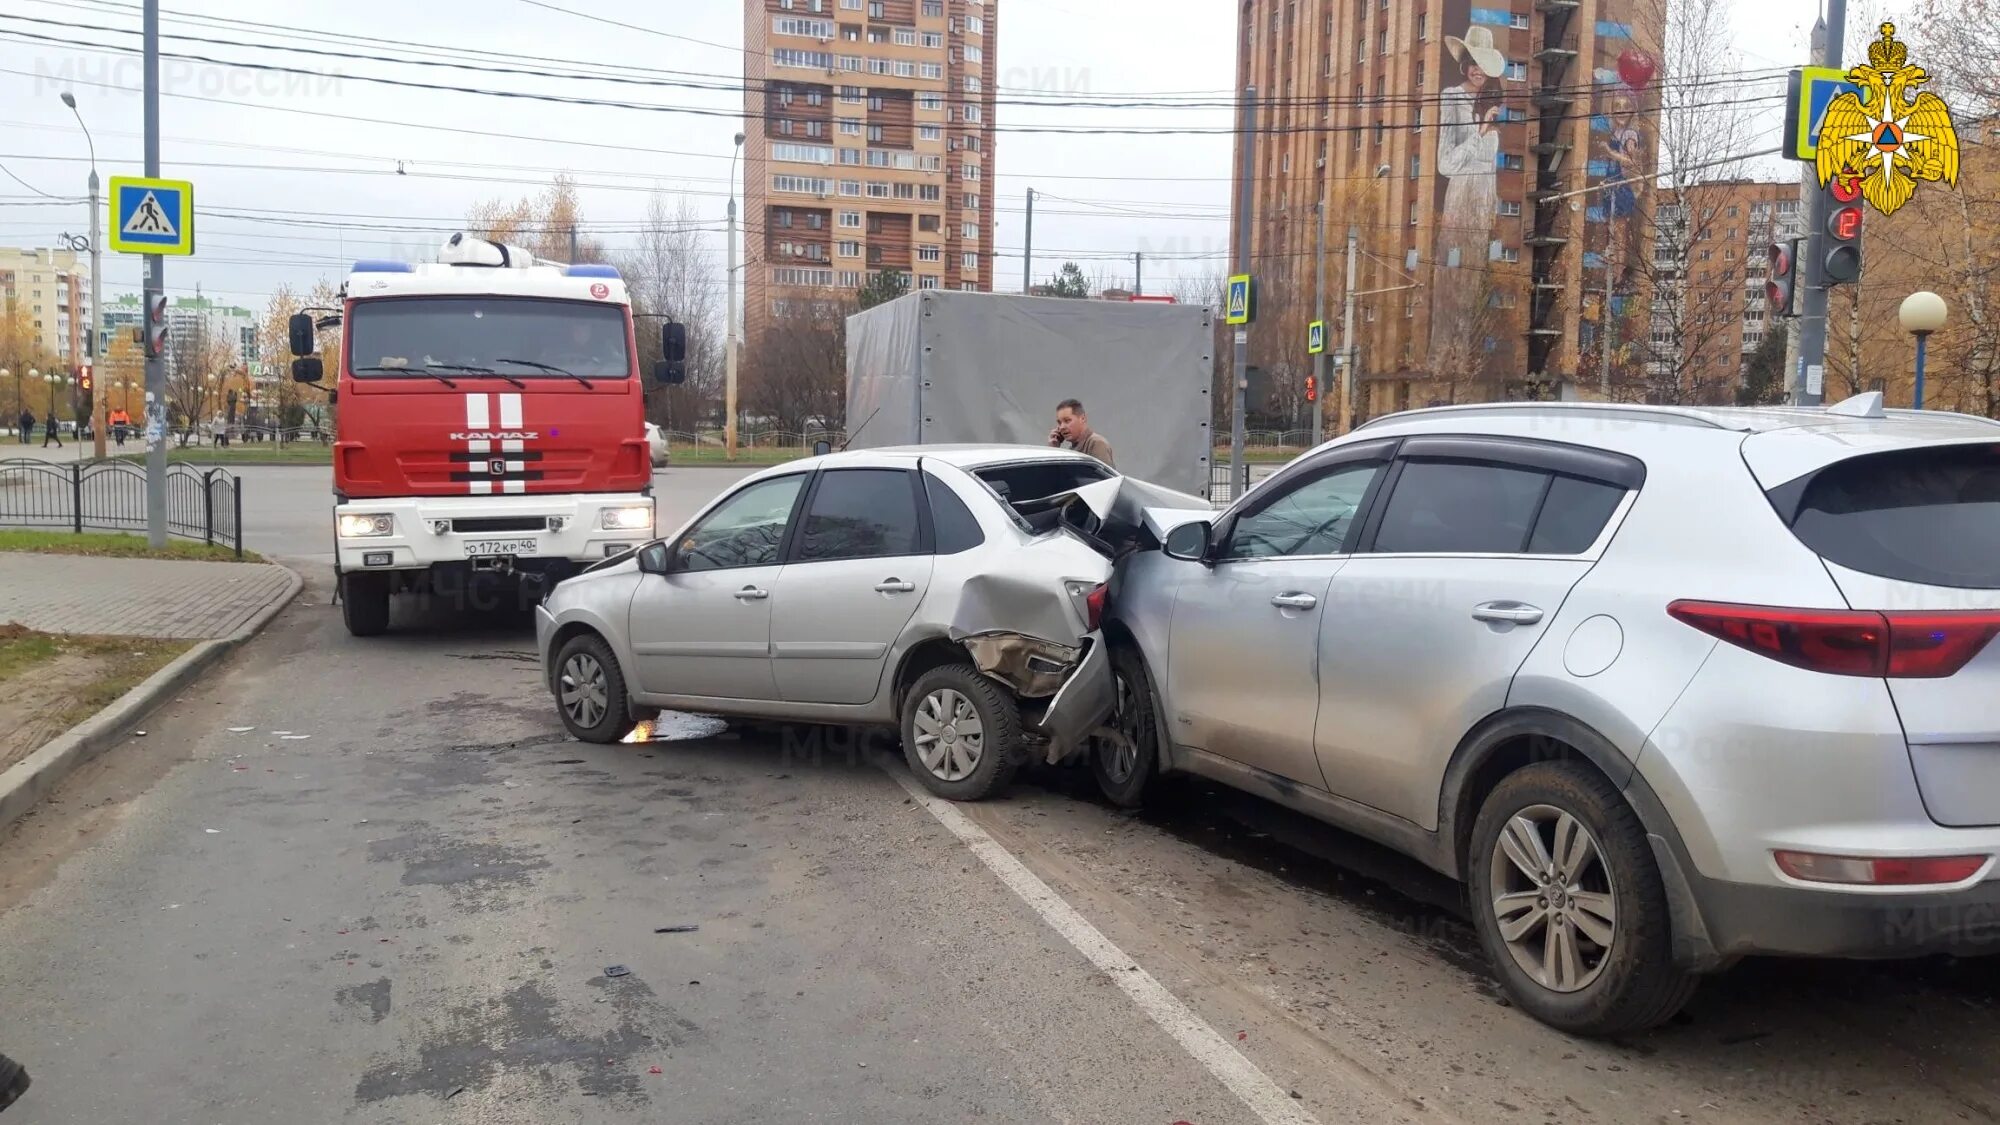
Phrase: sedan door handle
(1295, 601)
(894, 586)
(752, 594)
(1507, 613)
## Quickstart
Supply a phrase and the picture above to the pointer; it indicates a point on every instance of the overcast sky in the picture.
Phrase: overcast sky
(325, 186)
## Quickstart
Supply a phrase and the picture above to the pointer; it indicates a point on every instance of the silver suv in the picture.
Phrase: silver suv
(1664, 687)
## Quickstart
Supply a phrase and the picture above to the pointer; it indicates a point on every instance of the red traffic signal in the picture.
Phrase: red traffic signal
(156, 325)
(1841, 264)
(1312, 389)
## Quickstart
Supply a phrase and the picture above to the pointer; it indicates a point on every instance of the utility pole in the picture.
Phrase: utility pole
(1246, 207)
(572, 244)
(1139, 273)
(731, 343)
(1319, 317)
(1347, 333)
(154, 292)
(1809, 381)
(1028, 250)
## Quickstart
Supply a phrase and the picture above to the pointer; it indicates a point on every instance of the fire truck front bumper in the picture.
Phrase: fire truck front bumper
(528, 533)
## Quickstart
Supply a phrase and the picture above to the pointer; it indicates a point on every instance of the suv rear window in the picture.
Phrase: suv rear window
(1930, 515)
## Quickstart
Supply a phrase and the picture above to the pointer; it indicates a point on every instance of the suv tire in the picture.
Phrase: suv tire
(364, 603)
(590, 691)
(1559, 864)
(961, 733)
(1125, 765)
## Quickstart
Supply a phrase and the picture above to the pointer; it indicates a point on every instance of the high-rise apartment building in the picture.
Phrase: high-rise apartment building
(1475, 150)
(47, 291)
(1710, 262)
(869, 147)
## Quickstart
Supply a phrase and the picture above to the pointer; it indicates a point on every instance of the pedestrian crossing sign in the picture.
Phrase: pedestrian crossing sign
(1316, 337)
(152, 216)
(1241, 307)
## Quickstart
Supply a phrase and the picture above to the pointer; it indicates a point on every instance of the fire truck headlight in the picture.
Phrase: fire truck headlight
(363, 527)
(626, 519)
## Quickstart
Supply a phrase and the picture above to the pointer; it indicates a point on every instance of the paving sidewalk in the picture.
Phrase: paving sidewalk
(177, 599)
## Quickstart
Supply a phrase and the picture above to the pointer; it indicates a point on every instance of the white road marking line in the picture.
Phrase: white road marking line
(1230, 1066)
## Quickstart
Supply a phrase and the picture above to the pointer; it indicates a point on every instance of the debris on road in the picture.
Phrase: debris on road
(652, 1070)
(454, 1093)
(616, 971)
(241, 730)
(684, 929)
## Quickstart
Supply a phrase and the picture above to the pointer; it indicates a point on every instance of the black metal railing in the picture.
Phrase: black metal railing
(203, 504)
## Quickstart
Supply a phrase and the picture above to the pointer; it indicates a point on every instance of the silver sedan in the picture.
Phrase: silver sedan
(953, 593)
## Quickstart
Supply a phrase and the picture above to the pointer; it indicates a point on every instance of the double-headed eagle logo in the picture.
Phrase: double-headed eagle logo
(1889, 135)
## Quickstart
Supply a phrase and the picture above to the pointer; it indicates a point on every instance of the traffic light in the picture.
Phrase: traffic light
(1781, 284)
(1312, 389)
(1842, 263)
(156, 325)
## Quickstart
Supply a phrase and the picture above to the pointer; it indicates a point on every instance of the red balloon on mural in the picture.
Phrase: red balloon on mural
(1636, 68)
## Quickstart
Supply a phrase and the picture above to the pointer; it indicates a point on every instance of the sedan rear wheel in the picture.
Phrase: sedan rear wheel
(961, 733)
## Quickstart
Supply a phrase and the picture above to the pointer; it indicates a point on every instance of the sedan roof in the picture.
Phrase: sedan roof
(963, 456)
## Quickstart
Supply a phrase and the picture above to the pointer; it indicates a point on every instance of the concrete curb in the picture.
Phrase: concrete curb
(23, 785)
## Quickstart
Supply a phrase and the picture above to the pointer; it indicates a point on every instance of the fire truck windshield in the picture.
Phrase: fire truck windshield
(521, 338)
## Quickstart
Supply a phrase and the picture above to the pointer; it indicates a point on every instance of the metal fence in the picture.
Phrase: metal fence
(202, 504)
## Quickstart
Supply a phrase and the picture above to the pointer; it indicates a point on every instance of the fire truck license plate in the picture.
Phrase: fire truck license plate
(488, 547)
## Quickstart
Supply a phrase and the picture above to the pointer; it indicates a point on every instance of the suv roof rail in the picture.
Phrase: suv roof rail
(1674, 415)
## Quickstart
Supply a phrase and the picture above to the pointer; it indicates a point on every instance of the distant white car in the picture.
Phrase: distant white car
(657, 439)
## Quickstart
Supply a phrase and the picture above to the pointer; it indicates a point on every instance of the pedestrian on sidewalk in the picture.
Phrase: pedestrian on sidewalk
(51, 432)
(27, 426)
(1073, 427)
(119, 423)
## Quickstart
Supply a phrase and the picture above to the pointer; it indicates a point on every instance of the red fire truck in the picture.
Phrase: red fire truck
(491, 426)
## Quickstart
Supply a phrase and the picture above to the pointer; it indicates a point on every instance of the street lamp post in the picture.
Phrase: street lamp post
(1922, 313)
(96, 287)
(731, 344)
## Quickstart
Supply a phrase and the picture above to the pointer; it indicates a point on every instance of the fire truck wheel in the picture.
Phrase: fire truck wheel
(364, 603)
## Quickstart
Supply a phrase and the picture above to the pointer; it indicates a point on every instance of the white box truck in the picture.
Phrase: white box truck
(941, 367)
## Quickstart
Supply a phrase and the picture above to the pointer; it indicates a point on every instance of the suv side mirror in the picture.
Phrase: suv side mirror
(302, 336)
(308, 369)
(1190, 542)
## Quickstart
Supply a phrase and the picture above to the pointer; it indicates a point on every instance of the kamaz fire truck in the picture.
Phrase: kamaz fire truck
(491, 427)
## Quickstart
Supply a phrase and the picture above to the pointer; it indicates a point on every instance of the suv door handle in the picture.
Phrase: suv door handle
(894, 586)
(1295, 601)
(752, 594)
(1507, 613)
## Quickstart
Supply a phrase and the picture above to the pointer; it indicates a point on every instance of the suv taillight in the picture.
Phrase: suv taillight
(1846, 642)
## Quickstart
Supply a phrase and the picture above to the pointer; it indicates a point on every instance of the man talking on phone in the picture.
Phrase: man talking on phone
(1073, 429)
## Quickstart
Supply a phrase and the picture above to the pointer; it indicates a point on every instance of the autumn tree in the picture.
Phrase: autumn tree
(548, 225)
(201, 367)
(20, 351)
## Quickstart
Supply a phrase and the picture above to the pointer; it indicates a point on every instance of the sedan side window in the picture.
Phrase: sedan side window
(1312, 519)
(861, 514)
(747, 530)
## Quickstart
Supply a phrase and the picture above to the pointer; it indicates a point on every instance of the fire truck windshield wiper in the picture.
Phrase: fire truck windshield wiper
(410, 370)
(551, 369)
(481, 371)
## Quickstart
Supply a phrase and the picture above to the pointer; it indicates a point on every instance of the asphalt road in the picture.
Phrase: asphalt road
(409, 916)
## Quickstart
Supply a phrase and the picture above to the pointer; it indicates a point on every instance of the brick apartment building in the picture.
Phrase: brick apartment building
(869, 147)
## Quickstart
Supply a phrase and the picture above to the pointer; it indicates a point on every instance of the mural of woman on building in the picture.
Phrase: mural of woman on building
(1469, 119)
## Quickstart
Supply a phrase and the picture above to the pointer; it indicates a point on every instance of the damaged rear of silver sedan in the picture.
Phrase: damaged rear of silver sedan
(953, 594)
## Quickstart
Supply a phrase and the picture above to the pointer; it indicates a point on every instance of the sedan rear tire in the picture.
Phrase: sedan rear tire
(961, 733)
(590, 690)
(1569, 905)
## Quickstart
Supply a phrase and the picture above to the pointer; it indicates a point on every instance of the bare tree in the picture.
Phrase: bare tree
(548, 225)
(1462, 361)
(797, 371)
(1665, 250)
(672, 277)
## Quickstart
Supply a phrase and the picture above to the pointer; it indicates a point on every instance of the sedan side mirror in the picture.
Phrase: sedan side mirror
(1190, 542)
(653, 558)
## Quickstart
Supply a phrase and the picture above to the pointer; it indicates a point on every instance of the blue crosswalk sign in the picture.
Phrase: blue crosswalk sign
(1241, 305)
(152, 216)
